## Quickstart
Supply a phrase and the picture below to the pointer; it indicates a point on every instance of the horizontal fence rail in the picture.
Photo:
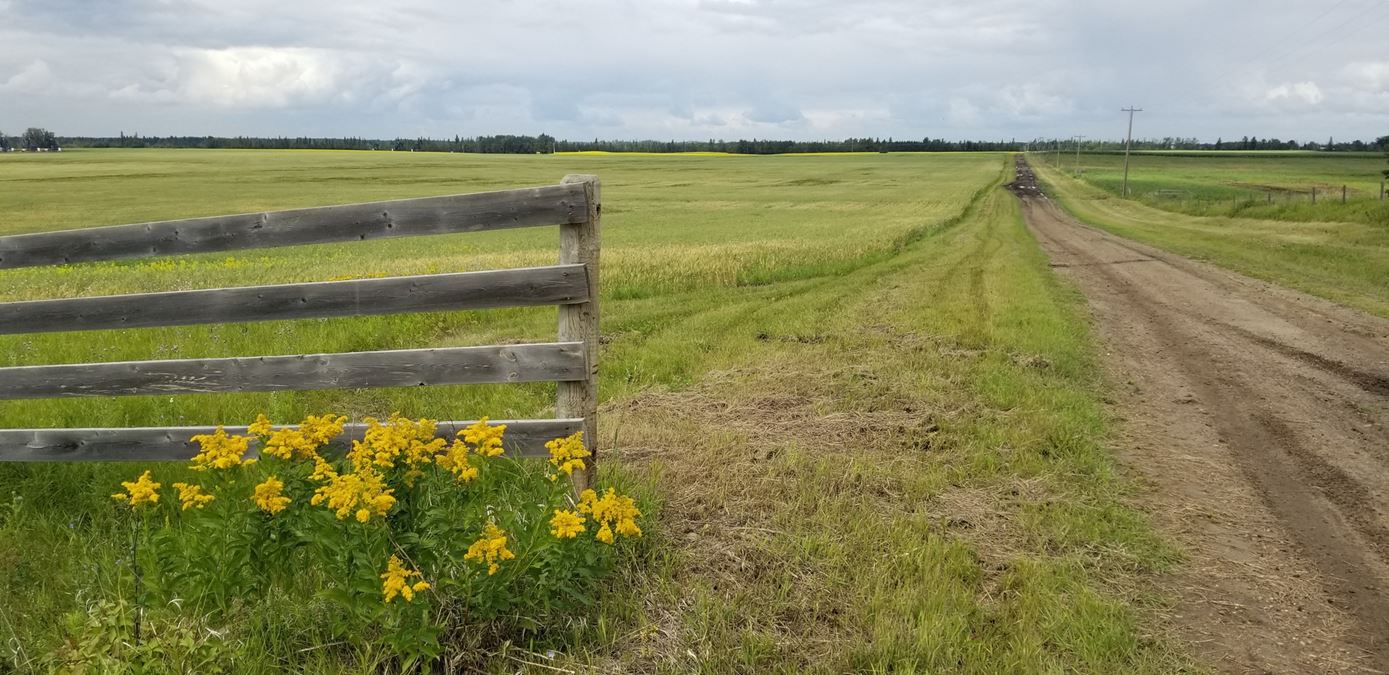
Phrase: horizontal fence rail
(572, 285)
(546, 362)
(523, 438)
(550, 205)
(559, 284)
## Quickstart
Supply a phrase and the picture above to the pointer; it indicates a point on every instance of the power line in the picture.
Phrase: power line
(1128, 140)
(1277, 44)
(1301, 45)
(1296, 45)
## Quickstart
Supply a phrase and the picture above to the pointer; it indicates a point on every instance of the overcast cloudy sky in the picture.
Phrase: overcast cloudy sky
(691, 69)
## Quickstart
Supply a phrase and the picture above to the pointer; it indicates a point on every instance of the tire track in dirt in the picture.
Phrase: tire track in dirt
(1257, 416)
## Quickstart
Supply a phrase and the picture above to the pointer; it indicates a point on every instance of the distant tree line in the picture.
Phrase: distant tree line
(1244, 143)
(526, 145)
(36, 138)
(32, 139)
(501, 144)
(1383, 143)
(774, 147)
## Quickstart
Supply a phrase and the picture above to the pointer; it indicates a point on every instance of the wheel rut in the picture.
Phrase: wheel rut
(1257, 416)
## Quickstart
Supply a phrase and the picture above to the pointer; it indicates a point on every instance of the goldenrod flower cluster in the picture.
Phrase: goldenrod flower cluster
(566, 524)
(490, 549)
(220, 451)
(568, 453)
(396, 581)
(361, 494)
(486, 440)
(141, 491)
(478, 438)
(389, 457)
(192, 496)
(301, 443)
(608, 510)
(455, 461)
(269, 496)
(382, 445)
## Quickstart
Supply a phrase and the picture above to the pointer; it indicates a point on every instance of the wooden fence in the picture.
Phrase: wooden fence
(571, 361)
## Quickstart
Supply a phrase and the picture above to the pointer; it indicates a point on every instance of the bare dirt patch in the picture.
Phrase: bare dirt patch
(1259, 417)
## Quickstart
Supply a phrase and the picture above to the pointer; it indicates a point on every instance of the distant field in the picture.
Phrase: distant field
(1275, 185)
(1346, 261)
(673, 226)
(869, 410)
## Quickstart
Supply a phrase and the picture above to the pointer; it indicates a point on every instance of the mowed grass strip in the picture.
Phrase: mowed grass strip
(1346, 262)
(905, 472)
(869, 413)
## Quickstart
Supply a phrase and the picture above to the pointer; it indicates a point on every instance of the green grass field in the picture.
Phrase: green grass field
(869, 413)
(1269, 185)
(1347, 262)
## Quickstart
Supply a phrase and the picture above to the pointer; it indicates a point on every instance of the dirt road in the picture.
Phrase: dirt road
(1259, 419)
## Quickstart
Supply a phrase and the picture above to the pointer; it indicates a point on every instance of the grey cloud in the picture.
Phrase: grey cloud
(694, 68)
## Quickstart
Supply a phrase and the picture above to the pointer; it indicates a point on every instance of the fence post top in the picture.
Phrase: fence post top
(580, 178)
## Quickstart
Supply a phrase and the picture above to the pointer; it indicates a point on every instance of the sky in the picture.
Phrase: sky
(698, 69)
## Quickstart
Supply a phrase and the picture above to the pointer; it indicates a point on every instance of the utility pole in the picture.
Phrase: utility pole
(1077, 140)
(1128, 140)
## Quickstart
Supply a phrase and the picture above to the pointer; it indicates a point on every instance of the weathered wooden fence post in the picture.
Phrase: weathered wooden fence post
(579, 244)
(1343, 194)
(1314, 195)
(572, 205)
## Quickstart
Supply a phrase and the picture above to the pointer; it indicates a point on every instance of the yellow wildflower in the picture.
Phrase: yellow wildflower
(362, 494)
(455, 460)
(301, 443)
(396, 581)
(627, 527)
(323, 428)
(490, 548)
(141, 491)
(566, 524)
(609, 510)
(192, 496)
(270, 497)
(260, 427)
(219, 451)
(567, 454)
(382, 445)
(486, 440)
(322, 470)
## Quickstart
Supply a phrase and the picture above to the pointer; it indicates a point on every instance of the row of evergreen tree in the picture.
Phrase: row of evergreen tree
(1245, 143)
(32, 139)
(543, 143)
(37, 138)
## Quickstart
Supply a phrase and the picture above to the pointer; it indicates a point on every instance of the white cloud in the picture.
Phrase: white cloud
(1030, 100)
(963, 113)
(1369, 76)
(258, 76)
(1307, 93)
(34, 78)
